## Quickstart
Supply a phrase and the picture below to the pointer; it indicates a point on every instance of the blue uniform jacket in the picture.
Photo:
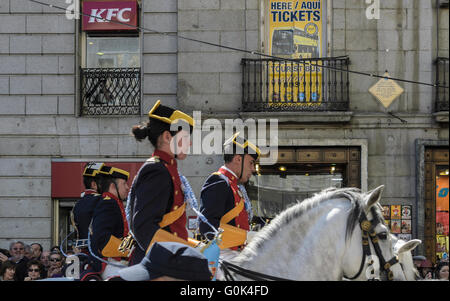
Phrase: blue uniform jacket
(107, 220)
(216, 200)
(150, 197)
(83, 211)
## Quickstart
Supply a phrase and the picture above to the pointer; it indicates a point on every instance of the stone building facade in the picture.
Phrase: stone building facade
(43, 55)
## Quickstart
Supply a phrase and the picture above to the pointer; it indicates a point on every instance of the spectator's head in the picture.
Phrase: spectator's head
(426, 267)
(28, 251)
(36, 249)
(168, 261)
(418, 259)
(55, 260)
(8, 270)
(442, 270)
(35, 269)
(55, 249)
(17, 250)
(44, 258)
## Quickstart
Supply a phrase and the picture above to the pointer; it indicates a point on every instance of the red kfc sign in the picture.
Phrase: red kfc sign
(117, 15)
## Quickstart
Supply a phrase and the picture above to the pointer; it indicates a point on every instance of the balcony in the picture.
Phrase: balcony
(110, 91)
(315, 84)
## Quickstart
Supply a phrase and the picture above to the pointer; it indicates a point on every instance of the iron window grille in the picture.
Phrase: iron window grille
(110, 91)
(295, 85)
(442, 80)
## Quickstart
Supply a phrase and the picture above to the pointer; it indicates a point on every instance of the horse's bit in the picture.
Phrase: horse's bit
(368, 231)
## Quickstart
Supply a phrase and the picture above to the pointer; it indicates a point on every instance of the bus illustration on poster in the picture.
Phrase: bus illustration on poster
(295, 32)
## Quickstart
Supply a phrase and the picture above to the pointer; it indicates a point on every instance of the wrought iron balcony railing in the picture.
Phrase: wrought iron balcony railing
(110, 91)
(295, 85)
(442, 80)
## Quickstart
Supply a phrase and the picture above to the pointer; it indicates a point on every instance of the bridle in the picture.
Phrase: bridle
(368, 232)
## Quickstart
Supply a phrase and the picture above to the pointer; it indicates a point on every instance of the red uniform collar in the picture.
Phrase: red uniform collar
(233, 178)
(170, 160)
(89, 191)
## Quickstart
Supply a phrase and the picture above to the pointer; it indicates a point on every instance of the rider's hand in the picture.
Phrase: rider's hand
(251, 235)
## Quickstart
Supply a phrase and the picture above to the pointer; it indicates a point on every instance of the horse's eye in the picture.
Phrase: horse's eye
(382, 235)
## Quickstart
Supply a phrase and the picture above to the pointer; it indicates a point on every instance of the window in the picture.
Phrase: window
(300, 173)
(112, 52)
(282, 185)
(110, 74)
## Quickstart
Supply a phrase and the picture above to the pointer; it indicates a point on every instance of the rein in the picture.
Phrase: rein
(368, 231)
(227, 268)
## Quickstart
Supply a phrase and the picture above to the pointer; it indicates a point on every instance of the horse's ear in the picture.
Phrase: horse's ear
(409, 246)
(374, 197)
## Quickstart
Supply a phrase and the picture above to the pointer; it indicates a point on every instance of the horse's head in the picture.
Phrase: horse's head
(403, 250)
(377, 240)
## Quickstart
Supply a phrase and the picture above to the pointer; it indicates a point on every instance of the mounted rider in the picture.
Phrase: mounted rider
(225, 203)
(109, 223)
(156, 206)
(83, 210)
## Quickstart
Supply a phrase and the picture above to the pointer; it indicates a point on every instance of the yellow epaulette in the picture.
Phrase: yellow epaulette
(216, 173)
(107, 198)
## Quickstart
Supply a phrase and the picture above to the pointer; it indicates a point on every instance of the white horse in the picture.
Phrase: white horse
(321, 239)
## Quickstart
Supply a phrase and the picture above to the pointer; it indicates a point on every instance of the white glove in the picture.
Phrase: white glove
(251, 235)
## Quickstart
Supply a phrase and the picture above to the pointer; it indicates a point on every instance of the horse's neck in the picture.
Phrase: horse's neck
(309, 247)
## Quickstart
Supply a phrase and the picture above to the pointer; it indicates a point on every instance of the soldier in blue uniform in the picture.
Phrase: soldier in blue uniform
(156, 206)
(109, 224)
(224, 200)
(84, 208)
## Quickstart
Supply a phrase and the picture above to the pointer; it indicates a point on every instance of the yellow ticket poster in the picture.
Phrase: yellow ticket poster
(295, 32)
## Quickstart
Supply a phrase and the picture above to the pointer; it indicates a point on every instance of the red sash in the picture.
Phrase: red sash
(242, 219)
(179, 226)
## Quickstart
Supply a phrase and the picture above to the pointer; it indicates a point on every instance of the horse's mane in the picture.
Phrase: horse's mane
(354, 195)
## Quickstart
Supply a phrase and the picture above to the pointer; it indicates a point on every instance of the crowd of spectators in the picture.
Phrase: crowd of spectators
(429, 271)
(23, 262)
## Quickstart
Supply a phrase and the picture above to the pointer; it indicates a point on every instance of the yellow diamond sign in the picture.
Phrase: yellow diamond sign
(386, 90)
